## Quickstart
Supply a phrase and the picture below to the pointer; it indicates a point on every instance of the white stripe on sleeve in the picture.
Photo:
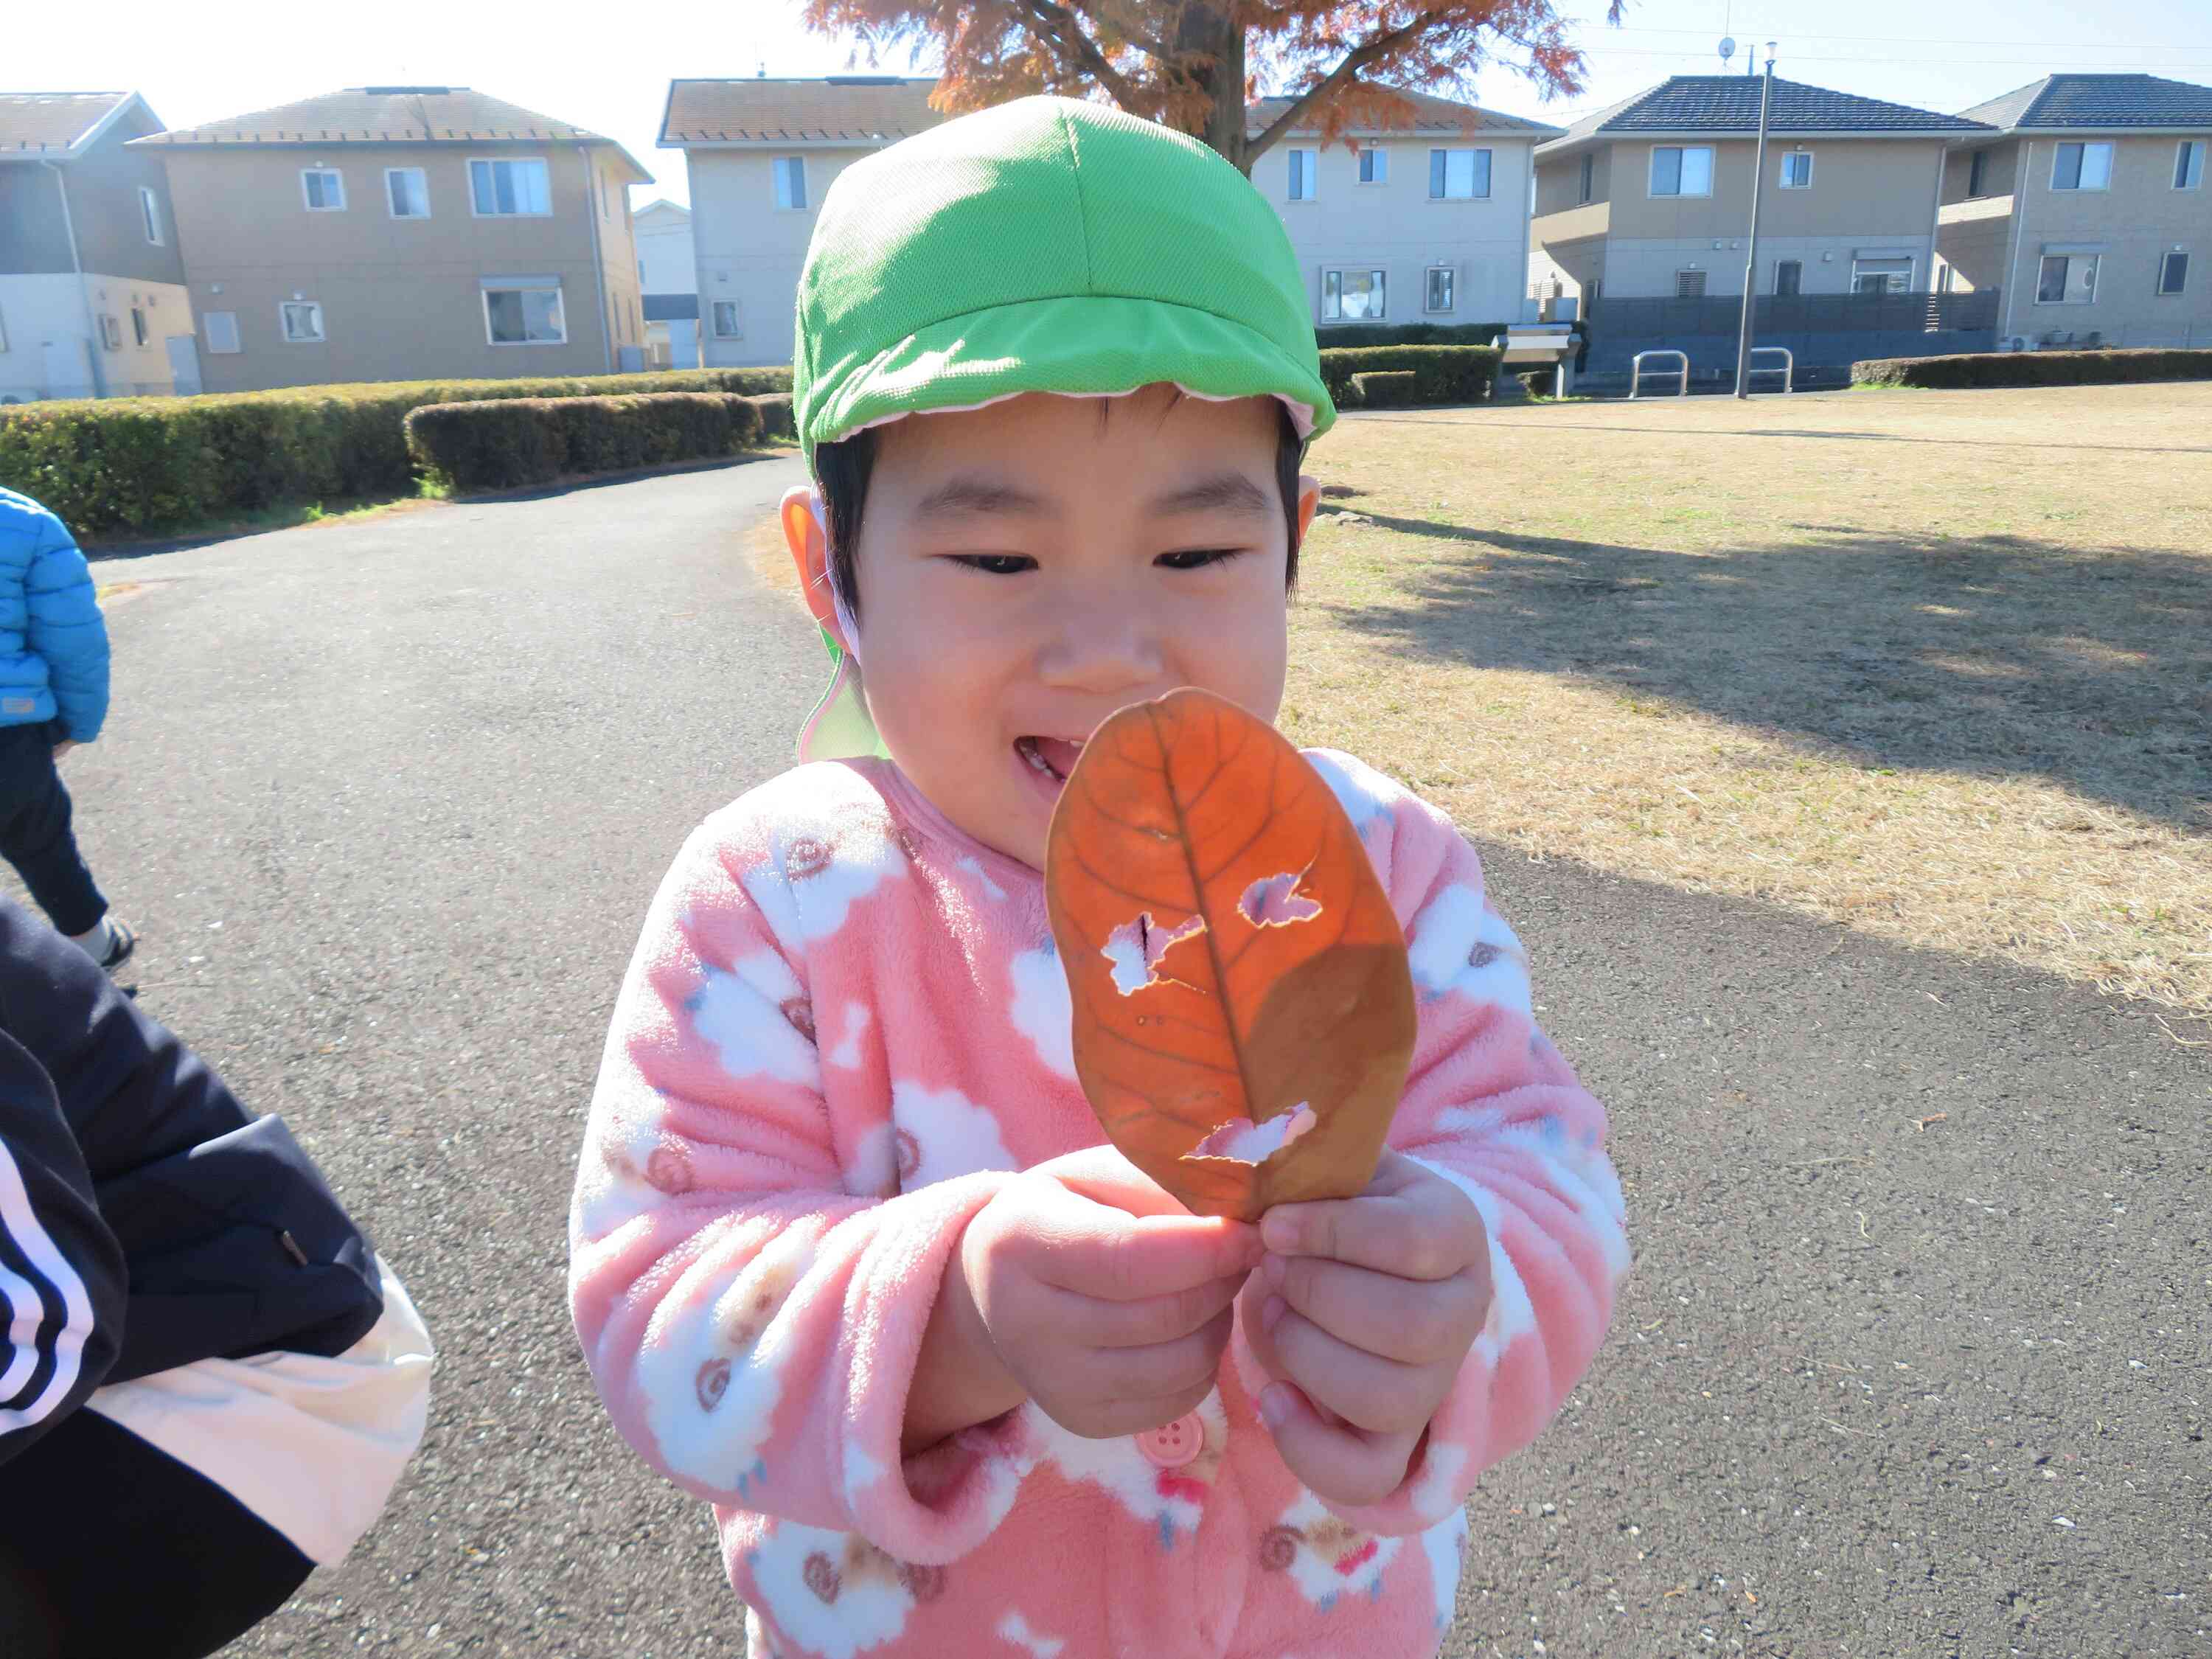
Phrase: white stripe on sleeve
(29, 1332)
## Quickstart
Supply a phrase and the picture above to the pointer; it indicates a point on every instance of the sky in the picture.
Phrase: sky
(569, 60)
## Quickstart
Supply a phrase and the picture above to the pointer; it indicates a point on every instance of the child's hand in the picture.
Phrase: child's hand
(1363, 1312)
(1107, 1301)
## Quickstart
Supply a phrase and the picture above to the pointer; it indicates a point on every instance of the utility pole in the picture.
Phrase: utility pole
(1751, 257)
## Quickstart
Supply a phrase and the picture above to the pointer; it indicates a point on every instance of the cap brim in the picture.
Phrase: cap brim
(1084, 346)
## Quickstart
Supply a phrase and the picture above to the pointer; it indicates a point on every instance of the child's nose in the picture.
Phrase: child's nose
(1103, 645)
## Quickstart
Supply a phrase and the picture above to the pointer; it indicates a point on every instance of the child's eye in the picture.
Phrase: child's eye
(995, 564)
(1197, 558)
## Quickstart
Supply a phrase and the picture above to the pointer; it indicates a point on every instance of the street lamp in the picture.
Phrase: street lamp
(1751, 257)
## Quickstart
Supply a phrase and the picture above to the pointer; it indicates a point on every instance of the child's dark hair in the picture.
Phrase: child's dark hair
(842, 469)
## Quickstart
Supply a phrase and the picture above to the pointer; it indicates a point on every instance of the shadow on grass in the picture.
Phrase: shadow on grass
(1991, 655)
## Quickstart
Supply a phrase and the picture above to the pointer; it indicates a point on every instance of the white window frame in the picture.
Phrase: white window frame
(1977, 173)
(314, 308)
(2159, 290)
(111, 332)
(782, 169)
(2186, 151)
(496, 162)
(1374, 164)
(149, 209)
(1450, 274)
(2058, 154)
(2096, 277)
(217, 347)
(1586, 179)
(1891, 284)
(543, 286)
(1690, 271)
(139, 331)
(1331, 305)
(307, 197)
(3, 330)
(423, 175)
(737, 331)
(1795, 292)
(1792, 155)
(1489, 172)
(1301, 165)
(1651, 172)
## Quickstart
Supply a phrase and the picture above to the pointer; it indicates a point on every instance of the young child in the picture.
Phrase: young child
(849, 1258)
(53, 697)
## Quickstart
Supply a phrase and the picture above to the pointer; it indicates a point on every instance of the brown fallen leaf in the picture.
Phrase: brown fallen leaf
(1230, 956)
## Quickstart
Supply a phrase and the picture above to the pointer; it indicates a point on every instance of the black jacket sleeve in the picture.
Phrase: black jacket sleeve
(234, 1242)
(61, 1269)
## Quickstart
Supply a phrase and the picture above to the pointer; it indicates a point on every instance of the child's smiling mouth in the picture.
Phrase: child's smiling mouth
(1051, 759)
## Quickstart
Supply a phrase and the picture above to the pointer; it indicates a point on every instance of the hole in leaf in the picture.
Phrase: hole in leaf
(1256, 1143)
(1276, 902)
(1135, 949)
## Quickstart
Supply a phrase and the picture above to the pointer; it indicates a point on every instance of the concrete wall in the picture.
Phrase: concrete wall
(749, 250)
(1999, 173)
(2128, 226)
(52, 349)
(663, 247)
(103, 184)
(1396, 228)
(401, 298)
(31, 209)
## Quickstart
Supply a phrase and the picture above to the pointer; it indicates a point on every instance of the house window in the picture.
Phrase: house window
(149, 209)
(2189, 164)
(524, 311)
(1881, 275)
(1588, 189)
(1977, 175)
(111, 333)
(2173, 272)
(221, 331)
(729, 321)
(790, 182)
(302, 321)
(2082, 166)
(606, 197)
(520, 189)
(1374, 166)
(1788, 276)
(138, 325)
(324, 189)
(408, 191)
(1458, 175)
(1302, 175)
(1350, 296)
(2067, 279)
(1797, 170)
(1682, 170)
(1689, 284)
(1439, 297)
(3, 331)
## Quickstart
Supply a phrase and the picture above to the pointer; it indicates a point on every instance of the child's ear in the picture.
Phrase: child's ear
(810, 553)
(1309, 501)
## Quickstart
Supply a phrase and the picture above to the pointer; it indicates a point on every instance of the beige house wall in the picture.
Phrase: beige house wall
(402, 299)
(2130, 226)
(749, 250)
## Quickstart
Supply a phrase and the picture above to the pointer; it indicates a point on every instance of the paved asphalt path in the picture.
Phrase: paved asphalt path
(388, 799)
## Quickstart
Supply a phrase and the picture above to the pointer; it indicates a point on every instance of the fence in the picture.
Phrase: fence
(1824, 333)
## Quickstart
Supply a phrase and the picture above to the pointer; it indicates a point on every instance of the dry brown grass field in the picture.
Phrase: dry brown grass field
(1933, 664)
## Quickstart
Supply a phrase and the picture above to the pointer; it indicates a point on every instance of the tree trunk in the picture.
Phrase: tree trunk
(1203, 29)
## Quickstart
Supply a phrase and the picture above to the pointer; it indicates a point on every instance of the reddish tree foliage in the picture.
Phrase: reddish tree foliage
(1195, 64)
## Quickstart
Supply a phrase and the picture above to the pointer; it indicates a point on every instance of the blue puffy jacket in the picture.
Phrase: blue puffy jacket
(53, 641)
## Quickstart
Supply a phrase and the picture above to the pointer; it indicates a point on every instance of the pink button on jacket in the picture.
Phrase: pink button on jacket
(844, 1025)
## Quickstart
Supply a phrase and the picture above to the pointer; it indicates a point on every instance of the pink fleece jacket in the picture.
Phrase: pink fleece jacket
(845, 1024)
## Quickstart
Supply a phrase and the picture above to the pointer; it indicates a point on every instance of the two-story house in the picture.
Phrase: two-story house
(92, 301)
(1652, 198)
(668, 273)
(403, 232)
(1427, 223)
(1423, 223)
(2088, 205)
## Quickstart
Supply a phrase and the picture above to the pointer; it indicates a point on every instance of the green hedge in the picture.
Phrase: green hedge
(1971, 368)
(1335, 336)
(1442, 374)
(142, 465)
(1384, 388)
(504, 443)
(776, 418)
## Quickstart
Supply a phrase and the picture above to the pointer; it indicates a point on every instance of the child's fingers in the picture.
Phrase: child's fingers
(1349, 1466)
(1104, 1324)
(1163, 1368)
(1428, 1230)
(1381, 1396)
(1103, 1252)
(1417, 1322)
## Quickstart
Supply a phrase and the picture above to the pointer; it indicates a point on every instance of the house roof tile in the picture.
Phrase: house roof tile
(35, 123)
(2099, 100)
(1729, 104)
(822, 110)
(1430, 114)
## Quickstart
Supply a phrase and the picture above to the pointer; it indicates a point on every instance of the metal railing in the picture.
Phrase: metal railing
(1752, 367)
(1682, 369)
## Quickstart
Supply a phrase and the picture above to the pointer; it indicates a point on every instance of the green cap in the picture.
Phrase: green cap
(1044, 244)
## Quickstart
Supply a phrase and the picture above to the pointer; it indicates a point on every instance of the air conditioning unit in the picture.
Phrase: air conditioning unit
(2017, 343)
